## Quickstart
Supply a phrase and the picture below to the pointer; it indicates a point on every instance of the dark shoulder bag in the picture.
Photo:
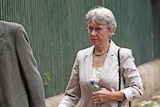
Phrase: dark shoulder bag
(119, 72)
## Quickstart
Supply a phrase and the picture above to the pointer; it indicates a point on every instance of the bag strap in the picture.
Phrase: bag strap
(119, 71)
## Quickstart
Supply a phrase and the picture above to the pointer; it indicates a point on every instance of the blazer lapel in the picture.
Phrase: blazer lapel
(88, 63)
(110, 59)
(1, 30)
(1, 40)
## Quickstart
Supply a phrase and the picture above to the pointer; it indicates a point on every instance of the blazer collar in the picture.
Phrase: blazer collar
(113, 47)
(90, 51)
(108, 61)
(1, 29)
(111, 54)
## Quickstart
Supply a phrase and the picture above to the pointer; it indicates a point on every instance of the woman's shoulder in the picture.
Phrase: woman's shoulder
(126, 54)
(85, 52)
(125, 51)
(10, 24)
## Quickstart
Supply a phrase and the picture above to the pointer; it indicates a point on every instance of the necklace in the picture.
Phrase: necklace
(100, 53)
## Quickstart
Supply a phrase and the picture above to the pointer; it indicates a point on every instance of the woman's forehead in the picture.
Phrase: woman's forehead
(93, 23)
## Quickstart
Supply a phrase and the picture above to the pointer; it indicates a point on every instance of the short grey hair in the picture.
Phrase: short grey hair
(103, 16)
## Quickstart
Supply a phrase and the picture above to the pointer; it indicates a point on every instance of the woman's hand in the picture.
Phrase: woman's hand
(101, 96)
(105, 95)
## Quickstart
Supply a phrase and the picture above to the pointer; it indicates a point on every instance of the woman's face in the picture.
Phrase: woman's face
(98, 34)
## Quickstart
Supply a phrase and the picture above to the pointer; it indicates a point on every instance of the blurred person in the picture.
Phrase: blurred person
(20, 81)
(98, 65)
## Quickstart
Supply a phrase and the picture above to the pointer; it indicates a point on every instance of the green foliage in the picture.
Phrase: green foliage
(47, 78)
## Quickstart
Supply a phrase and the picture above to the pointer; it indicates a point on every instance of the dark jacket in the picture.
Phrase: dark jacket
(20, 81)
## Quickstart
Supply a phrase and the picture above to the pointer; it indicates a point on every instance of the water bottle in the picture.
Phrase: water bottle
(95, 87)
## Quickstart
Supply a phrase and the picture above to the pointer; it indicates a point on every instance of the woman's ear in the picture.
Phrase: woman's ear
(111, 31)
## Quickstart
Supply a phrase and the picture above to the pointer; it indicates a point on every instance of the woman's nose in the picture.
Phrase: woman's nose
(93, 32)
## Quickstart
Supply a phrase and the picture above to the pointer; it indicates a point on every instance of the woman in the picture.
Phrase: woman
(99, 64)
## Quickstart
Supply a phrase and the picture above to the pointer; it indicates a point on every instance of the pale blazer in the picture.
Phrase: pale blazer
(20, 81)
(79, 85)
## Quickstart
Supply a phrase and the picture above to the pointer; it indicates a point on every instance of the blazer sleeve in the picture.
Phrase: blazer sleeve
(72, 92)
(29, 70)
(132, 80)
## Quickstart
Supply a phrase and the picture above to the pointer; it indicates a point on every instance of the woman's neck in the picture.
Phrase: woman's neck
(101, 49)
